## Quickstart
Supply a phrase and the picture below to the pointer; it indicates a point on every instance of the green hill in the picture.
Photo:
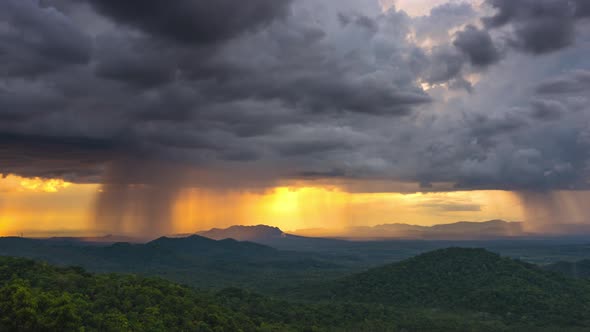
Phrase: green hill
(39, 297)
(474, 280)
(193, 260)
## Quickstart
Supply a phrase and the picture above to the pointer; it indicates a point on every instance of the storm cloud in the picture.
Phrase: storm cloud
(478, 46)
(34, 40)
(189, 21)
(268, 91)
(539, 26)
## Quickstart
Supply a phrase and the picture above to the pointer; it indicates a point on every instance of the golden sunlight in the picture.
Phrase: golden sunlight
(56, 207)
(419, 7)
(46, 185)
(39, 207)
(293, 208)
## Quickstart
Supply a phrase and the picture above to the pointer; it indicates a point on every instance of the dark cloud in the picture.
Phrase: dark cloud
(194, 21)
(577, 82)
(367, 23)
(477, 45)
(248, 94)
(582, 8)
(547, 109)
(76, 159)
(360, 20)
(444, 64)
(490, 126)
(539, 26)
(23, 102)
(35, 40)
(133, 61)
(333, 173)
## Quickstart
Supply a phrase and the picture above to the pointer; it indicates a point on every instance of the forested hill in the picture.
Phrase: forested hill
(193, 260)
(475, 280)
(38, 297)
(445, 290)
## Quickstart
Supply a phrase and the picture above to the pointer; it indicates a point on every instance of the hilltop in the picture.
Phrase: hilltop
(270, 236)
(245, 233)
(473, 280)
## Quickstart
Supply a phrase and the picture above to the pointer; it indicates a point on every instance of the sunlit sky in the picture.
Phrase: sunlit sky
(421, 7)
(36, 207)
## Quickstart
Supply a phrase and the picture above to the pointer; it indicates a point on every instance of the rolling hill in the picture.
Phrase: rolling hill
(35, 296)
(471, 280)
(193, 260)
(270, 236)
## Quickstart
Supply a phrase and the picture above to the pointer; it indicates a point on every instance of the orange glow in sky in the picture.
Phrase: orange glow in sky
(50, 185)
(52, 207)
(39, 207)
(315, 207)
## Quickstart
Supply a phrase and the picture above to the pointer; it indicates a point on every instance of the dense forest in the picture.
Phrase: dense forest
(476, 280)
(445, 290)
(38, 297)
(205, 263)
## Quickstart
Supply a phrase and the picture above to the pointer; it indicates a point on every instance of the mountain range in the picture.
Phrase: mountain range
(493, 229)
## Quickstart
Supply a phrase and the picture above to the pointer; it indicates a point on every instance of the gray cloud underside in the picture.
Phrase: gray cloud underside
(264, 90)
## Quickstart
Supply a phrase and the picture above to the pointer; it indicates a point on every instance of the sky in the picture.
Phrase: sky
(140, 117)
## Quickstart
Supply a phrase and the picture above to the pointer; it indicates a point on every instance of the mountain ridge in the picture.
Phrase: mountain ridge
(244, 233)
(467, 230)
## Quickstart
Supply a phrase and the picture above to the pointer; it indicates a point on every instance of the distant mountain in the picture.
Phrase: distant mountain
(488, 229)
(245, 233)
(579, 269)
(463, 230)
(470, 279)
(270, 236)
(564, 229)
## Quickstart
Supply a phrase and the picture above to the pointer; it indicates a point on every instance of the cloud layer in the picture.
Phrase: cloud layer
(247, 94)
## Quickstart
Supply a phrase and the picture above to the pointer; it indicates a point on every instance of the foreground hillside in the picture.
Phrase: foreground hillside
(445, 290)
(38, 297)
(473, 280)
